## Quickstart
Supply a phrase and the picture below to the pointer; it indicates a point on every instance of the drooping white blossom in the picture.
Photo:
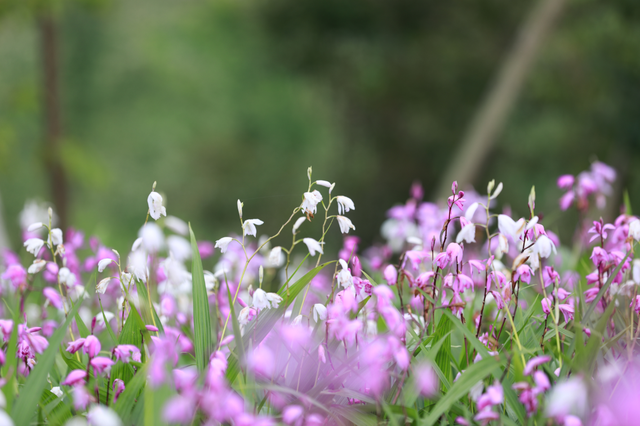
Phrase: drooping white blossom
(544, 246)
(33, 245)
(310, 202)
(55, 236)
(276, 257)
(35, 226)
(152, 237)
(180, 247)
(65, 276)
(297, 224)
(313, 246)
(467, 234)
(177, 225)
(345, 204)
(634, 229)
(101, 287)
(260, 300)
(249, 226)
(240, 205)
(156, 209)
(324, 183)
(223, 243)
(103, 264)
(275, 299)
(319, 312)
(344, 276)
(99, 415)
(345, 224)
(37, 266)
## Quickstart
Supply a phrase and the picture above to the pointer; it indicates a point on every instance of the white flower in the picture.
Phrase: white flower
(275, 299)
(467, 233)
(152, 237)
(249, 226)
(509, 228)
(126, 279)
(297, 320)
(344, 276)
(103, 264)
(497, 191)
(543, 246)
(99, 415)
(156, 209)
(243, 317)
(240, 205)
(471, 210)
(324, 183)
(344, 204)
(568, 397)
(635, 274)
(345, 224)
(297, 224)
(311, 200)
(223, 243)
(313, 246)
(138, 265)
(634, 229)
(136, 244)
(319, 312)
(260, 300)
(100, 317)
(57, 391)
(33, 245)
(35, 226)
(177, 225)
(55, 236)
(101, 287)
(276, 257)
(65, 276)
(503, 245)
(180, 247)
(5, 420)
(37, 266)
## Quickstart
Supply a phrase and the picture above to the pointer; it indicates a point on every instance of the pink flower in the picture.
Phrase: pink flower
(91, 346)
(118, 388)
(535, 362)
(426, 380)
(53, 297)
(76, 345)
(523, 272)
(635, 303)
(17, 275)
(565, 181)
(179, 409)
(125, 353)
(81, 398)
(293, 415)
(76, 377)
(101, 364)
(391, 275)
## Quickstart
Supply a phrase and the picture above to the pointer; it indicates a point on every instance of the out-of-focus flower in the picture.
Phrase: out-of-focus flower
(297, 224)
(76, 377)
(310, 202)
(55, 237)
(33, 245)
(103, 264)
(634, 229)
(99, 415)
(344, 276)
(92, 346)
(319, 312)
(17, 275)
(568, 397)
(156, 209)
(101, 364)
(426, 380)
(249, 226)
(390, 275)
(535, 362)
(260, 299)
(313, 246)
(53, 297)
(467, 234)
(125, 353)
(345, 204)
(37, 266)
(177, 225)
(345, 224)
(223, 243)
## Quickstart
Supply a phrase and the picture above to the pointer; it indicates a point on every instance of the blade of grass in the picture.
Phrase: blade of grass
(23, 409)
(201, 317)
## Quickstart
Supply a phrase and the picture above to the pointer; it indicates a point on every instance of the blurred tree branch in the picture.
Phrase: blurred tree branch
(52, 115)
(493, 112)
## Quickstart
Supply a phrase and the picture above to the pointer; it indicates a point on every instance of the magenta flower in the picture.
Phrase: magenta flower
(426, 380)
(535, 362)
(390, 275)
(76, 377)
(125, 353)
(566, 181)
(118, 388)
(53, 297)
(17, 275)
(76, 345)
(179, 409)
(91, 346)
(293, 415)
(101, 364)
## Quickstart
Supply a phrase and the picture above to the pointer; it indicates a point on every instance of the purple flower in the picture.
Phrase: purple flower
(293, 415)
(53, 297)
(179, 409)
(91, 346)
(426, 380)
(76, 345)
(118, 388)
(76, 377)
(17, 275)
(101, 364)
(390, 275)
(566, 181)
(535, 362)
(125, 353)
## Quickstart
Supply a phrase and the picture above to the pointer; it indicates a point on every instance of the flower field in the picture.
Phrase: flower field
(465, 314)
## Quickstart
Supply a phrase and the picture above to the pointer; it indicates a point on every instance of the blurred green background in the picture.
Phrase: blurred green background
(219, 100)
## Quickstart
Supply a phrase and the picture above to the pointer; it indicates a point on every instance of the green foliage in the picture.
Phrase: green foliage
(201, 318)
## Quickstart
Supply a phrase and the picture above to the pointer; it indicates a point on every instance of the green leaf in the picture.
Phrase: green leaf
(443, 357)
(144, 305)
(460, 388)
(131, 335)
(23, 409)
(125, 404)
(82, 328)
(201, 318)
(239, 344)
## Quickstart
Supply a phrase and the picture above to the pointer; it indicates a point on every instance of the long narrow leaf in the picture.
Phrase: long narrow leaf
(23, 409)
(201, 318)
